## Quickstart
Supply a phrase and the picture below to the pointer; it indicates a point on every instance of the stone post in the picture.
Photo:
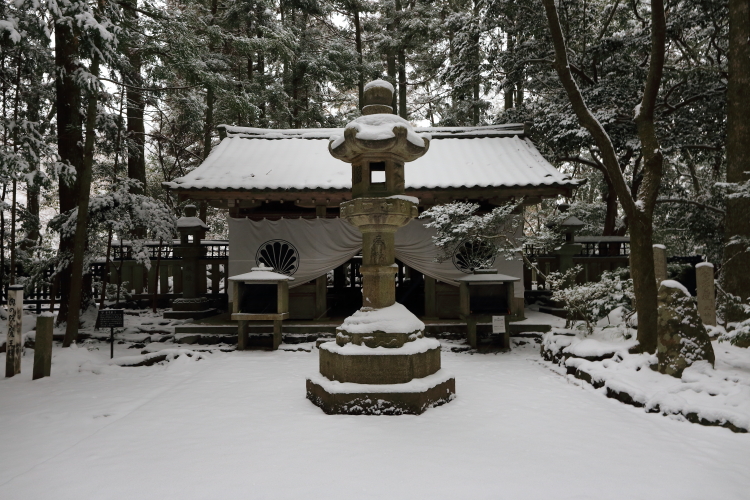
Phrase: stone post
(704, 277)
(43, 346)
(660, 263)
(14, 343)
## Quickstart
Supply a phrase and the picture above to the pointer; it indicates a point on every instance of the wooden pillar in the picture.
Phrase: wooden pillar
(471, 331)
(163, 278)
(137, 272)
(430, 297)
(14, 341)
(127, 275)
(177, 277)
(242, 335)
(43, 346)
(276, 333)
(320, 211)
(215, 277)
(321, 293)
(152, 278)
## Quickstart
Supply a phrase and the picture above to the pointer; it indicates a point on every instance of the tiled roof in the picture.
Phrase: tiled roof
(264, 159)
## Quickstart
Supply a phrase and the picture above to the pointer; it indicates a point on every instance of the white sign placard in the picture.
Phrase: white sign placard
(498, 324)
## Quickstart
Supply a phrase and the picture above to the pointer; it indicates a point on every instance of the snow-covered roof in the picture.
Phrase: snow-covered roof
(261, 274)
(264, 159)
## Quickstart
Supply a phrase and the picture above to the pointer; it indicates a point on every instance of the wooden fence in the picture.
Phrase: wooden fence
(140, 282)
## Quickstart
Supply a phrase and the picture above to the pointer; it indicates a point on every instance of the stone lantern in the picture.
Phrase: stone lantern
(380, 363)
(260, 295)
(565, 252)
(192, 230)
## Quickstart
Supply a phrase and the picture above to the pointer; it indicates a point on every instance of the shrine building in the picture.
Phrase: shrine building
(282, 190)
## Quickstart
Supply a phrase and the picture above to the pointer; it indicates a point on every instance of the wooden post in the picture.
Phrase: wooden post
(276, 333)
(430, 297)
(14, 342)
(163, 279)
(152, 279)
(241, 335)
(704, 277)
(43, 345)
(215, 277)
(177, 277)
(471, 331)
(137, 283)
(321, 292)
(127, 274)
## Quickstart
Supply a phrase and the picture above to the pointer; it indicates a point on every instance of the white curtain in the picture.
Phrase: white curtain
(311, 247)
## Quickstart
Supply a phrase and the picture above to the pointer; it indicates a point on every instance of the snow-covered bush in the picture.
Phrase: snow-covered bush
(735, 333)
(591, 301)
(457, 223)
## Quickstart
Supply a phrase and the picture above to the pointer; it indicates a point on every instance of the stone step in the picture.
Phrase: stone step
(431, 329)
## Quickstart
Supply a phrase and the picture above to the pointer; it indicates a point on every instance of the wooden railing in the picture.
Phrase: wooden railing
(141, 282)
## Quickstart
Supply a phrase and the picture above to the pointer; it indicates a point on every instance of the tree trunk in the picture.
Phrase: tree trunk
(69, 141)
(79, 244)
(358, 46)
(736, 268)
(209, 124)
(639, 214)
(136, 133)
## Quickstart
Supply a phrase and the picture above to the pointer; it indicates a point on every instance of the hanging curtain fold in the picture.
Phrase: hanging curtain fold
(309, 248)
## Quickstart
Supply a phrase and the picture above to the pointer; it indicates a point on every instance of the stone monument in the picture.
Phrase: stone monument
(704, 277)
(380, 363)
(682, 338)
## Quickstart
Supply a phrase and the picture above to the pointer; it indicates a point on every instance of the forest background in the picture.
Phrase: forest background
(109, 98)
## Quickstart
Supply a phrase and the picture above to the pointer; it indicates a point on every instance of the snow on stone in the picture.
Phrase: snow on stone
(594, 348)
(191, 222)
(704, 264)
(412, 199)
(415, 347)
(380, 83)
(676, 284)
(415, 385)
(379, 127)
(391, 319)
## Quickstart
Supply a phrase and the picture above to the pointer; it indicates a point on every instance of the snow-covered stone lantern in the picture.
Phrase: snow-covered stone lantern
(486, 295)
(192, 230)
(260, 295)
(383, 343)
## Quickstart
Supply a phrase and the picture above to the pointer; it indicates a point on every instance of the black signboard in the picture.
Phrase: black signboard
(111, 318)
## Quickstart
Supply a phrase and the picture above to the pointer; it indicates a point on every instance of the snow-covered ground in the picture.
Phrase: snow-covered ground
(237, 425)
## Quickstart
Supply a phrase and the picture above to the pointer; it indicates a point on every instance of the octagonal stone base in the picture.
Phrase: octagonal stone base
(413, 398)
(362, 365)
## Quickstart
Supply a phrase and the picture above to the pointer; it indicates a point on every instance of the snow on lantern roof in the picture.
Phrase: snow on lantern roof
(190, 222)
(255, 159)
(261, 273)
(380, 83)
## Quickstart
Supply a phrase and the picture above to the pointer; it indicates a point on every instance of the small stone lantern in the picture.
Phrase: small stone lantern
(487, 295)
(260, 295)
(565, 252)
(192, 230)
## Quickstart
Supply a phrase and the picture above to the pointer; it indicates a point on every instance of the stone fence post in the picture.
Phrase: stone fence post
(660, 263)
(704, 277)
(14, 343)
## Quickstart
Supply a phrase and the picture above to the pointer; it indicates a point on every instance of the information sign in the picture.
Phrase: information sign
(498, 324)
